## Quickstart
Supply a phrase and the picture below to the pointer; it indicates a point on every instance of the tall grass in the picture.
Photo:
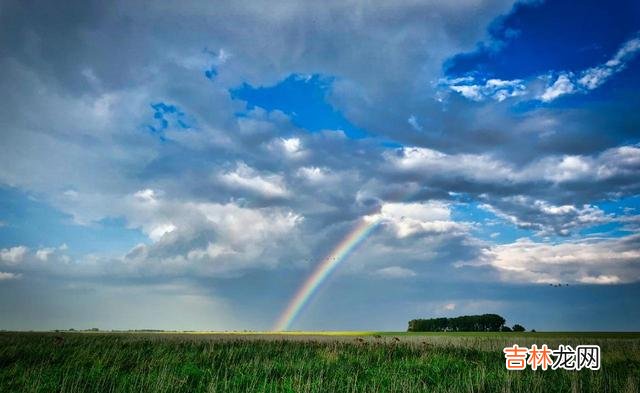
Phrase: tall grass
(36, 362)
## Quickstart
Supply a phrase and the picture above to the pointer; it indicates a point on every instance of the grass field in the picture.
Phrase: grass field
(302, 362)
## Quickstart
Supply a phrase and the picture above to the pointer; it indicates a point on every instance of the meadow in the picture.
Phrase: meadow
(302, 362)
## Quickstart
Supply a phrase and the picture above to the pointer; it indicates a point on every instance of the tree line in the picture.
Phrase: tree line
(465, 323)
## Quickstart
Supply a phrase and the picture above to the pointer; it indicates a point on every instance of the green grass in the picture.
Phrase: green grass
(303, 362)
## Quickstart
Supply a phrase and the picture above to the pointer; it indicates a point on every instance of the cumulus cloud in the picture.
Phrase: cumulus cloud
(314, 174)
(524, 195)
(291, 145)
(43, 254)
(545, 218)
(247, 178)
(611, 163)
(159, 231)
(13, 255)
(233, 242)
(209, 240)
(409, 219)
(187, 239)
(562, 85)
(48, 261)
(590, 261)
(395, 272)
(210, 237)
(432, 211)
(288, 147)
(433, 163)
(147, 195)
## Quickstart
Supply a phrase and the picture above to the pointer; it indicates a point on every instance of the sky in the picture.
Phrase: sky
(190, 165)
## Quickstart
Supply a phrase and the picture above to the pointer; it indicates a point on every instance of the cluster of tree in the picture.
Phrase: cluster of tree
(465, 323)
(515, 328)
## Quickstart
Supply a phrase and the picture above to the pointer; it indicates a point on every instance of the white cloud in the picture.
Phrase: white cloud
(289, 147)
(625, 53)
(407, 219)
(591, 261)
(13, 255)
(437, 169)
(496, 89)
(429, 163)
(430, 211)
(562, 85)
(43, 254)
(242, 226)
(292, 145)
(159, 231)
(434, 163)
(212, 238)
(618, 161)
(601, 279)
(546, 218)
(314, 174)
(567, 168)
(208, 240)
(188, 237)
(8, 276)
(395, 272)
(147, 195)
(471, 92)
(247, 178)
(593, 78)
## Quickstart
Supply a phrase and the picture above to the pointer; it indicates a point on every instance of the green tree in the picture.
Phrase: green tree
(464, 323)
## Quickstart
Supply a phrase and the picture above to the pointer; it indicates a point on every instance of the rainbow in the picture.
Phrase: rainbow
(324, 270)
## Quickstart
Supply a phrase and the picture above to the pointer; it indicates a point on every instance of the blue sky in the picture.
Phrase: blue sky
(191, 177)
(304, 99)
(32, 223)
(554, 35)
